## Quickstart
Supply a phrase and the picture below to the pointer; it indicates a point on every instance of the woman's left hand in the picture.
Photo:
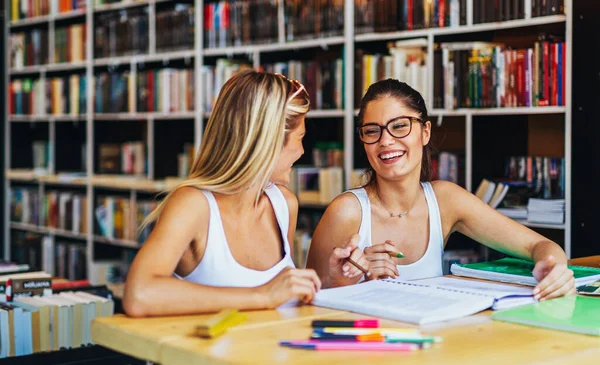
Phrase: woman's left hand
(554, 280)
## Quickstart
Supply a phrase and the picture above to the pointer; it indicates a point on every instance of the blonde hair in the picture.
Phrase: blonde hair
(247, 129)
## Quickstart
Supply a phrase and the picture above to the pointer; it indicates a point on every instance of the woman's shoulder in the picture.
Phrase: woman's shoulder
(290, 198)
(188, 199)
(345, 206)
(447, 191)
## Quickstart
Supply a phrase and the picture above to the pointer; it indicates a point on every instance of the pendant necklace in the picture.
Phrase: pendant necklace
(399, 215)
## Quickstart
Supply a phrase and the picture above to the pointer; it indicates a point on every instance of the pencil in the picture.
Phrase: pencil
(397, 254)
(358, 266)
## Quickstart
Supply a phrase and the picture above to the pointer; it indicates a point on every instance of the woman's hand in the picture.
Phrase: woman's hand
(554, 280)
(340, 270)
(291, 283)
(381, 264)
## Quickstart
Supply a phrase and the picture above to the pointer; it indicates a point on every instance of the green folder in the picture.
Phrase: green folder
(517, 271)
(572, 314)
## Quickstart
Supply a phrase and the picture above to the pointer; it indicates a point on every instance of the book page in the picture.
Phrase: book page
(412, 301)
(496, 290)
(403, 301)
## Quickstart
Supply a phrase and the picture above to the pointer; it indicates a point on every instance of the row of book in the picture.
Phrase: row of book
(240, 22)
(23, 9)
(485, 75)
(541, 176)
(314, 185)
(121, 33)
(50, 322)
(64, 259)
(162, 90)
(394, 15)
(120, 218)
(406, 61)
(323, 80)
(175, 28)
(489, 11)
(62, 210)
(61, 258)
(69, 43)
(64, 95)
(28, 48)
(166, 90)
(127, 158)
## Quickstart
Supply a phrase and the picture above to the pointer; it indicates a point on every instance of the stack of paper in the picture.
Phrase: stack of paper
(546, 210)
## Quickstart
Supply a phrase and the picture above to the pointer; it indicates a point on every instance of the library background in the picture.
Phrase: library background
(106, 101)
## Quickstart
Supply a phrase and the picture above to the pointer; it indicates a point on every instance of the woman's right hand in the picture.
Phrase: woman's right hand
(381, 264)
(291, 283)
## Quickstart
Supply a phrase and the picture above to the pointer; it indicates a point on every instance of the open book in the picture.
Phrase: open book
(418, 302)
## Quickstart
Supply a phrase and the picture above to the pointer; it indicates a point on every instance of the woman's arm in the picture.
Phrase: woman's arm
(152, 290)
(334, 240)
(465, 213)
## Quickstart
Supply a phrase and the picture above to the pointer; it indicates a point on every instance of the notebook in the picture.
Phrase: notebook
(408, 301)
(517, 271)
(572, 313)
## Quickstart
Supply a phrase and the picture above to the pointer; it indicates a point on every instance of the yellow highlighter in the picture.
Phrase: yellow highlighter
(220, 322)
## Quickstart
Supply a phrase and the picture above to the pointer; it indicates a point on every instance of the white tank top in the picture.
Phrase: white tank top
(430, 264)
(218, 267)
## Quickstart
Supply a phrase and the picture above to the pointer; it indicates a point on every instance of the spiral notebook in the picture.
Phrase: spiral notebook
(517, 271)
(411, 302)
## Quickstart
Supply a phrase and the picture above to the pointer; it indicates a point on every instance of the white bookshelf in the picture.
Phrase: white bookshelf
(197, 57)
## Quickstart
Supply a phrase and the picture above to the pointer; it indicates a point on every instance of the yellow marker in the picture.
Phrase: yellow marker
(220, 322)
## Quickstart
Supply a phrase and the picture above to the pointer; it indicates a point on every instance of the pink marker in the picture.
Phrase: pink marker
(350, 346)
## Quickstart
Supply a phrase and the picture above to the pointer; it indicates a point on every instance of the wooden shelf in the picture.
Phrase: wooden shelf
(133, 59)
(47, 230)
(500, 111)
(116, 242)
(144, 116)
(46, 118)
(463, 29)
(274, 47)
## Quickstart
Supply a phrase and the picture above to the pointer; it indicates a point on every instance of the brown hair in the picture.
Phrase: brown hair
(412, 99)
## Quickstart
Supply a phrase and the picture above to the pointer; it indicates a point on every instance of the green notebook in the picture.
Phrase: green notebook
(517, 271)
(572, 314)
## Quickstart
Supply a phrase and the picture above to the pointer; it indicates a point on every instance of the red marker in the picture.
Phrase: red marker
(360, 323)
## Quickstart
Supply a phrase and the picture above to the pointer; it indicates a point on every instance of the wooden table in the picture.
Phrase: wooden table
(470, 340)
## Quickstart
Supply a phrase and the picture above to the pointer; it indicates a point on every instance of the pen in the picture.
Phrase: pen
(361, 323)
(375, 337)
(398, 332)
(358, 266)
(397, 254)
(347, 346)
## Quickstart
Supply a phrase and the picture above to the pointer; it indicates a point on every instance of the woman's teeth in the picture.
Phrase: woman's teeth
(387, 156)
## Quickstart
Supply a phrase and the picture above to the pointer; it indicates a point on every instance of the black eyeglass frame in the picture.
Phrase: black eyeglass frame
(386, 127)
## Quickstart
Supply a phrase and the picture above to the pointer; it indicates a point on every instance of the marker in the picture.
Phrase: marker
(375, 337)
(349, 346)
(361, 323)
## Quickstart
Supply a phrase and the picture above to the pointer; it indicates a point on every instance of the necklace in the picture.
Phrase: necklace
(399, 215)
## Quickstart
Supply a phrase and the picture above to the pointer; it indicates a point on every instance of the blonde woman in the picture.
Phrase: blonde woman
(222, 238)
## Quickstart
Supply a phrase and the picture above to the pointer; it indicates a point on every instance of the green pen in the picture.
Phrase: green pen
(408, 339)
(397, 254)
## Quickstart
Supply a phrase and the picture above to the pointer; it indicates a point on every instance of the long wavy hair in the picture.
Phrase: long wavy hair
(250, 123)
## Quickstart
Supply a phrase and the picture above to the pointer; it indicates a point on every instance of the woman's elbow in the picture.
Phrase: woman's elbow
(135, 303)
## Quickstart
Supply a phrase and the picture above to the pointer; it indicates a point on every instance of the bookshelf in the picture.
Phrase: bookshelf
(150, 127)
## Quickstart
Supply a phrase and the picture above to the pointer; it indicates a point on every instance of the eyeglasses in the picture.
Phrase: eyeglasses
(399, 127)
